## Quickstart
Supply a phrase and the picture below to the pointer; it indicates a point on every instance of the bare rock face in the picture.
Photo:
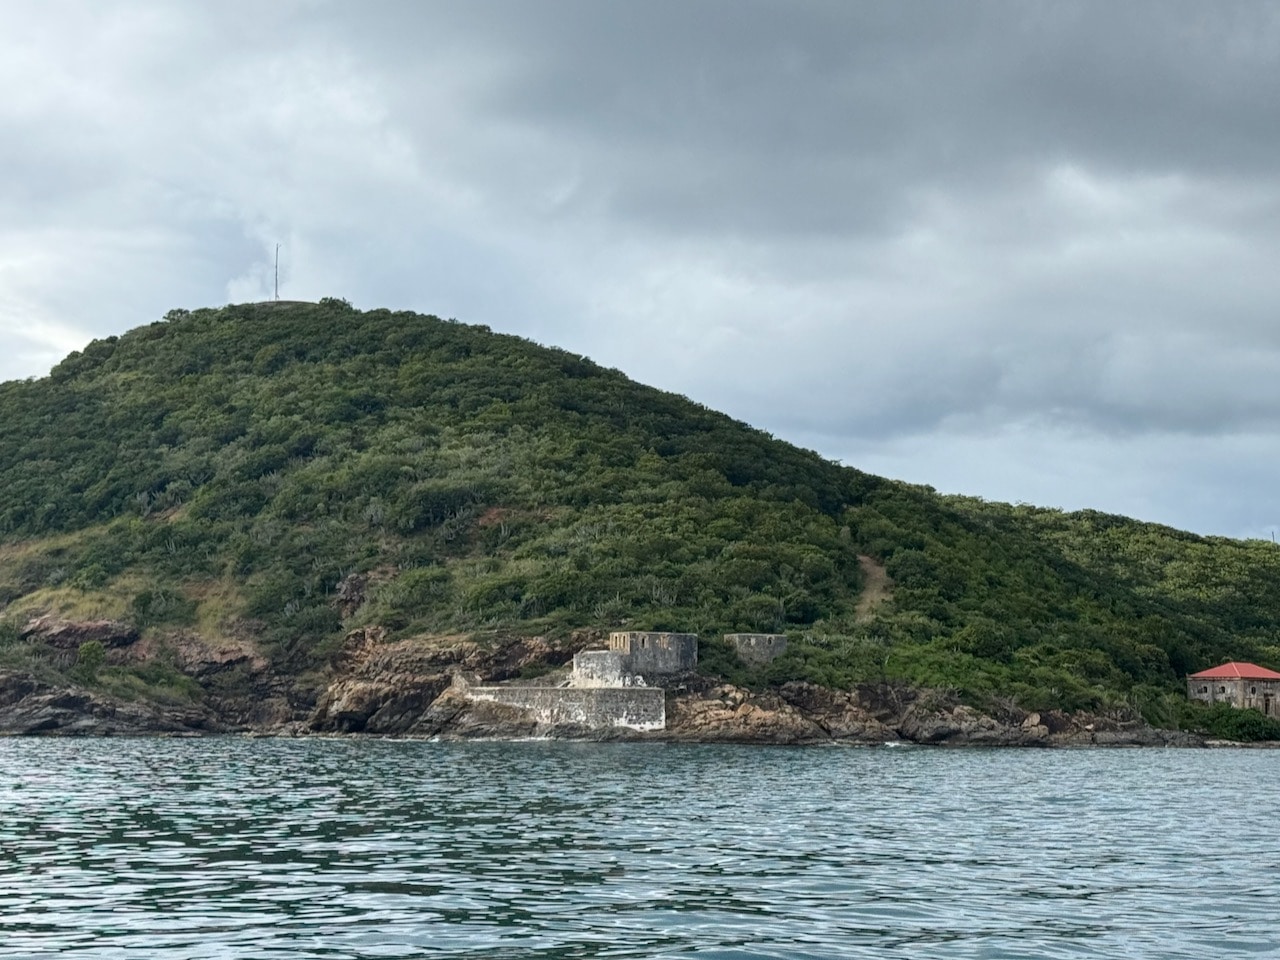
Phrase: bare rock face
(372, 675)
(731, 714)
(238, 683)
(198, 658)
(388, 688)
(239, 691)
(457, 717)
(70, 634)
(842, 715)
(349, 594)
(1087, 730)
(353, 590)
(962, 724)
(29, 707)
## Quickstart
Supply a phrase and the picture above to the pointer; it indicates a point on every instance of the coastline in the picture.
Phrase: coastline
(796, 714)
(376, 687)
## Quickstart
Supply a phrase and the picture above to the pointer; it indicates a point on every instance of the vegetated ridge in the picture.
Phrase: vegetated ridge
(205, 521)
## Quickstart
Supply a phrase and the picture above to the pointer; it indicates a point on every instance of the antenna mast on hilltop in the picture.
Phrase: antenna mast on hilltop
(277, 271)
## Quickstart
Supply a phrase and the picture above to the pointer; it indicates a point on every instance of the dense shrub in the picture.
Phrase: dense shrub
(1225, 722)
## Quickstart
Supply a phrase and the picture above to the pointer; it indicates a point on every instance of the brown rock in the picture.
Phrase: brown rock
(31, 707)
(197, 657)
(731, 714)
(70, 634)
(839, 713)
(349, 594)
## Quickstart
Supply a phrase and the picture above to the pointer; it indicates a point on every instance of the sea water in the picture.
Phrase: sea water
(239, 848)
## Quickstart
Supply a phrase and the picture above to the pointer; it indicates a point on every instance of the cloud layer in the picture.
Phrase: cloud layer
(1021, 250)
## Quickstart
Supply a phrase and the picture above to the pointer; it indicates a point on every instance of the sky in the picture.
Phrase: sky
(1027, 251)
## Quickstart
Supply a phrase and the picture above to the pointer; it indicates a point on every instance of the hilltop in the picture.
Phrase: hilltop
(234, 499)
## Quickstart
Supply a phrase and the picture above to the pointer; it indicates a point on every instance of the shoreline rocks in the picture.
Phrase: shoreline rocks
(376, 687)
(30, 707)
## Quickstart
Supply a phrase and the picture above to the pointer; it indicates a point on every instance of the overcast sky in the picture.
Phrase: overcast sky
(1026, 251)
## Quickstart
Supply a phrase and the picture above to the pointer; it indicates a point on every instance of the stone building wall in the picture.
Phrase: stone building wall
(656, 654)
(757, 649)
(599, 668)
(1261, 695)
(635, 708)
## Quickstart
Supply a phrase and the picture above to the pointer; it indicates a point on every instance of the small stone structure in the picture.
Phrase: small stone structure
(1243, 685)
(608, 688)
(635, 659)
(656, 654)
(757, 649)
(602, 668)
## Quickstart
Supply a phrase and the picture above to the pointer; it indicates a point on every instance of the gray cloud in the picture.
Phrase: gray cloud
(810, 113)
(1000, 247)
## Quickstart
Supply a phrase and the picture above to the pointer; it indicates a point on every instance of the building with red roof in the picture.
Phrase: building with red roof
(1239, 684)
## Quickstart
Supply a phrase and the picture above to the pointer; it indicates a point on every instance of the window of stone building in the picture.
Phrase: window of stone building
(1252, 691)
(1222, 689)
(1204, 689)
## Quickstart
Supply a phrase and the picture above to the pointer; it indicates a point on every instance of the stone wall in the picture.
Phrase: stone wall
(656, 654)
(1262, 695)
(635, 708)
(757, 649)
(599, 668)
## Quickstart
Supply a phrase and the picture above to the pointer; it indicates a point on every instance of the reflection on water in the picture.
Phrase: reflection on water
(230, 848)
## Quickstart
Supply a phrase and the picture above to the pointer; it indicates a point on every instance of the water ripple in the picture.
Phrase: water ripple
(231, 849)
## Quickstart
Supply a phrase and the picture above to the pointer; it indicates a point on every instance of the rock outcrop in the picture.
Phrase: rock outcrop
(857, 716)
(726, 713)
(63, 634)
(30, 707)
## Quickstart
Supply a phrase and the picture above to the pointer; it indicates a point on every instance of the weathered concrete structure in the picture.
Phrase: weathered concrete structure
(634, 708)
(635, 659)
(654, 655)
(1243, 685)
(607, 688)
(603, 668)
(757, 649)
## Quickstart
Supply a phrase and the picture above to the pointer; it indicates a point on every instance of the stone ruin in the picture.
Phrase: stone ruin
(757, 649)
(621, 686)
(635, 659)
(607, 688)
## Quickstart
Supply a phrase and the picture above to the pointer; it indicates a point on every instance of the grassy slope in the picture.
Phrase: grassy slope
(231, 467)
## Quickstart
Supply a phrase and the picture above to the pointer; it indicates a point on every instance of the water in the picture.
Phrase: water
(230, 848)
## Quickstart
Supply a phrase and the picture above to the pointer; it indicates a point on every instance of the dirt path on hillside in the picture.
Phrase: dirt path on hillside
(876, 588)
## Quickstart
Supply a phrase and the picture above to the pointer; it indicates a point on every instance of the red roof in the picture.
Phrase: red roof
(1236, 671)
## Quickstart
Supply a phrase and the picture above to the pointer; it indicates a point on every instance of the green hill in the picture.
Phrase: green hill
(231, 473)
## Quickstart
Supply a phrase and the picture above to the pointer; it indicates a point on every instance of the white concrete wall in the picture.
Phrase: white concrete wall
(635, 708)
(598, 668)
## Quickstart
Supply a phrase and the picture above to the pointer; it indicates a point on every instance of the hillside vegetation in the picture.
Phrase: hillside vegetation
(233, 471)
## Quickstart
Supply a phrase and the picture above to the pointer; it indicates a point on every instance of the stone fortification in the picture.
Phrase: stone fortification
(633, 708)
(757, 649)
(602, 668)
(654, 655)
(607, 688)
